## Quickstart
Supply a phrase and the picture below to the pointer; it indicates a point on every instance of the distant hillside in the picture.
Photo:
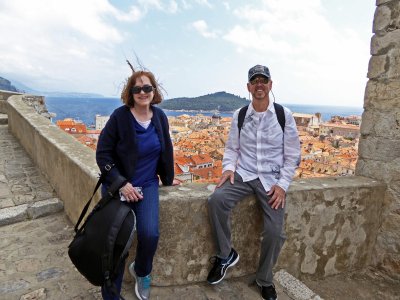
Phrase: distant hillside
(221, 100)
(6, 85)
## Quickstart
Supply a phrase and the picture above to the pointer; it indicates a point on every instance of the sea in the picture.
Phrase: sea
(86, 109)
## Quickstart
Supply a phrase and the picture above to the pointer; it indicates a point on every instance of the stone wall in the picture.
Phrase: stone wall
(4, 95)
(379, 149)
(331, 223)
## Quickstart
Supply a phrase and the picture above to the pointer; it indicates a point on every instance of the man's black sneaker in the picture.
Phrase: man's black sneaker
(218, 271)
(268, 292)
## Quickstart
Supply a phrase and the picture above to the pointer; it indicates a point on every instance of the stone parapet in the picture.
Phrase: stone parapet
(69, 166)
(4, 95)
(331, 223)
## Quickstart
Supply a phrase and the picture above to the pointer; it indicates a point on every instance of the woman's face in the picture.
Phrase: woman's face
(143, 91)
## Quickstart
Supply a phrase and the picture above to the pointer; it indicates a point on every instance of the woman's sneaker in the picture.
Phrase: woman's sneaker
(142, 284)
(218, 271)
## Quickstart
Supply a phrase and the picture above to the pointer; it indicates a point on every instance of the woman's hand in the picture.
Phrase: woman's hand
(176, 182)
(130, 193)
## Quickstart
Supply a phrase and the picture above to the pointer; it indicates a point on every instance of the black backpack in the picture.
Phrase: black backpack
(102, 243)
(280, 114)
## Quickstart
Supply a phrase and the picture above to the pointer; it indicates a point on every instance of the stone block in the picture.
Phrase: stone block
(380, 2)
(394, 64)
(44, 208)
(294, 287)
(382, 18)
(383, 95)
(376, 148)
(377, 66)
(380, 45)
(388, 172)
(381, 124)
(13, 214)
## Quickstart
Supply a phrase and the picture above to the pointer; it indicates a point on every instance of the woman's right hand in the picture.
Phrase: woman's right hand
(130, 193)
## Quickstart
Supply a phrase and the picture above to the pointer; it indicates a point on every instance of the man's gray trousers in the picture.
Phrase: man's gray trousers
(220, 204)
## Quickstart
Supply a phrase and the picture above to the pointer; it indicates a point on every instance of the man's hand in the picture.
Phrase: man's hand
(278, 197)
(225, 176)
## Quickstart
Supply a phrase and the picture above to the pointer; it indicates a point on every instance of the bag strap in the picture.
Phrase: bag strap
(83, 213)
(242, 114)
(280, 114)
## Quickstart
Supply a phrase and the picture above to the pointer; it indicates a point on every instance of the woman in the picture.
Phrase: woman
(133, 148)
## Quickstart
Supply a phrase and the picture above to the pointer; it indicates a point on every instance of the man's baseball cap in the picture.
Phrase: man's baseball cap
(259, 70)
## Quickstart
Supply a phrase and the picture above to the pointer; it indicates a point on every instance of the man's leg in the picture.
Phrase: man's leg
(220, 204)
(273, 236)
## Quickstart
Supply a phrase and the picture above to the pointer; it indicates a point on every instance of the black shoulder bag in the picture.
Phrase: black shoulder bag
(102, 243)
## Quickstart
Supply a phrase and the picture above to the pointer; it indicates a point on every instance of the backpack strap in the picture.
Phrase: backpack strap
(280, 114)
(110, 193)
(242, 114)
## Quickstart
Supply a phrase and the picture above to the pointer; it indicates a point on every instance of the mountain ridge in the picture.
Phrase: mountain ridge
(221, 101)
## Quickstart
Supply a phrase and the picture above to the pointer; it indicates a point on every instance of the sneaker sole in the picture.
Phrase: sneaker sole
(231, 265)
(132, 272)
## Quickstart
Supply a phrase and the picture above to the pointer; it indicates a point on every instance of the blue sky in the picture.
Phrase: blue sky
(317, 50)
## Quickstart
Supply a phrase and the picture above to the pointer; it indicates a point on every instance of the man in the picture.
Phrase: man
(260, 159)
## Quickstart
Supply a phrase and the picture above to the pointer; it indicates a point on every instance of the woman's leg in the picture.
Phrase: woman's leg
(147, 218)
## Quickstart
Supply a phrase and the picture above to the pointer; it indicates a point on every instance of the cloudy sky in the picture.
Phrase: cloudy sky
(317, 50)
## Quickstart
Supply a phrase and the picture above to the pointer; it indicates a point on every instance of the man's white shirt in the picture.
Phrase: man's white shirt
(263, 150)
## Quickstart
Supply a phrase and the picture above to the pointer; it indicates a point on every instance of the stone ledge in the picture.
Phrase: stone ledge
(294, 287)
(13, 214)
(19, 213)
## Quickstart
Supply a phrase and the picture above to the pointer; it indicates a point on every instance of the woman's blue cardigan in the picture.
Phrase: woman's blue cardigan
(117, 147)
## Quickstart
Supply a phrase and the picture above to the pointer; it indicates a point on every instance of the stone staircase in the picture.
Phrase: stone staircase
(24, 192)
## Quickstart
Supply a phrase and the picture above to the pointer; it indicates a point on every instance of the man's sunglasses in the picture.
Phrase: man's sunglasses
(262, 80)
(146, 89)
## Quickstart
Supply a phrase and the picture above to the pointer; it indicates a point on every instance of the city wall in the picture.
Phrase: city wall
(331, 224)
(379, 148)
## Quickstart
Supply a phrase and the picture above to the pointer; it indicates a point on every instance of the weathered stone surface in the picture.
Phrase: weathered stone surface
(381, 124)
(343, 221)
(12, 286)
(382, 44)
(13, 214)
(380, 2)
(4, 191)
(39, 294)
(380, 170)
(49, 274)
(377, 66)
(44, 208)
(295, 287)
(382, 95)
(6, 203)
(382, 18)
(379, 148)
(394, 64)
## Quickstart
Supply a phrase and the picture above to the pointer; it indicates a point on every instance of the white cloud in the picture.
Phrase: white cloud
(51, 43)
(202, 27)
(296, 36)
(204, 2)
(165, 6)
